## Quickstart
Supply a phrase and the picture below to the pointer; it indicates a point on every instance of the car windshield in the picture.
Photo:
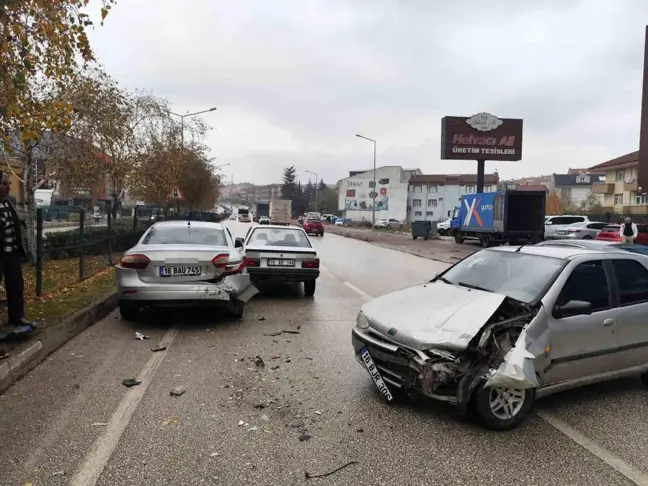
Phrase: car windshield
(184, 235)
(640, 249)
(521, 276)
(279, 237)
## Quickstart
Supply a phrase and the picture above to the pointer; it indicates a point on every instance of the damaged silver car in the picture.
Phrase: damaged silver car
(183, 263)
(508, 325)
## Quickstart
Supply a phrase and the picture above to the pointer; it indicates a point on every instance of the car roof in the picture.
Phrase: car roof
(194, 224)
(567, 216)
(593, 244)
(562, 252)
(279, 226)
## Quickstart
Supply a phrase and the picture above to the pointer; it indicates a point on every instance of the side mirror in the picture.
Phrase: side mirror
(548, 223)
(238, 243)
(573, 308)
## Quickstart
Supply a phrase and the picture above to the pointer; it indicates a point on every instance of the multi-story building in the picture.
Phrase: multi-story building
(355, 193)
(574, 189)
(619, 190)
(433, 197)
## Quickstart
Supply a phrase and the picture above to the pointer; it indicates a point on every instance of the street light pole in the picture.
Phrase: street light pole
(182, 118)
(374, 194)
(316, 187)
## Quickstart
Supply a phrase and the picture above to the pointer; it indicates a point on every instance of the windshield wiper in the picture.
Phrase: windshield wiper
(471, 286)
(444, 280)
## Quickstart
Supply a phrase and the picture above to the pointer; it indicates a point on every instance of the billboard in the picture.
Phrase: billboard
(481, 137)
(359, 196)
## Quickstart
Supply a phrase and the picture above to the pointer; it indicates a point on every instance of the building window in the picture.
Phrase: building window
(620, 176)
(618, 198)
(418, 189)
(565, 192)
(416, 203)
(432, 203)
(488, 188)
(433, 188)
(470, 189)
(429, 213)
(418, 213)
(641, 200)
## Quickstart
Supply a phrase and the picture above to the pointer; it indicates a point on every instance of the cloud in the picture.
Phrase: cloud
(295, 81)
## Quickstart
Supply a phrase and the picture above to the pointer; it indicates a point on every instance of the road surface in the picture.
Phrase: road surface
(71, 421)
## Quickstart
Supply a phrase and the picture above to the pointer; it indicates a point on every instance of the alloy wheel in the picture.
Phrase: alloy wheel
(506, 403)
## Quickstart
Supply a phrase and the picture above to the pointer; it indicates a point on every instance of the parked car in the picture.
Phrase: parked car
(509, 325)
(584, 230)
(313, 226)
(598, 245)
(264, 220)
(388, 223)
(340, 222)
(280, 254)
(443, 227)
(612, 232)
(556, 223)
(180, 263)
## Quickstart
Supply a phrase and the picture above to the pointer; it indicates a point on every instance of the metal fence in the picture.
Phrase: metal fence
(70, 251)
(617, 218)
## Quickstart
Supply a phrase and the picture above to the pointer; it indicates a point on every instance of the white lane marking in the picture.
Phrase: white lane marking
(105, 445)
(358, 291)
(633, 474)
(324, 269)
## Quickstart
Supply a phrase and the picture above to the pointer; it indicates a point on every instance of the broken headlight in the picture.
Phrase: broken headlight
(361, 321)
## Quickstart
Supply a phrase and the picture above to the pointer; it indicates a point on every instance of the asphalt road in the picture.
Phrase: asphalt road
(71, 421)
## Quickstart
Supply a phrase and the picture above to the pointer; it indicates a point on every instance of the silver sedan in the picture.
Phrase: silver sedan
(180, 263)
(584, 230)
(508, 325)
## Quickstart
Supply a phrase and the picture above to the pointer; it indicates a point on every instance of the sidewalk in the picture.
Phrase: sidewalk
(442, 249)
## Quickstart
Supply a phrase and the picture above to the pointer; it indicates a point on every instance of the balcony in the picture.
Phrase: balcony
(604, 188)
(630, 186)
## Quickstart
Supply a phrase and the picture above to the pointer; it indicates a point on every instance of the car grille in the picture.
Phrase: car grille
(393, 365)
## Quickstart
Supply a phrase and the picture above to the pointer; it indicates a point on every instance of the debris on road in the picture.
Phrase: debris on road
(178, 391)
(252, 429)
(261, 319)
(272, 333)
(58, 473)
(100, 424)
(309, 475)
(131, 382)
(265, 418)
(213, 454)
(140, 336)
(259, 406)
(317, 412)
(276, 367)
(287, 360)
(304, 437)
(290, 332)
(275, 356)
(159, 348)
(258, 361)
(172, 421)
(241, 423)
(359, 429)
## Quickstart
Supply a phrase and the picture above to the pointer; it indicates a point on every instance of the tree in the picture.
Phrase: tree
(553, 205)
(42, 44)
(321, 186)
(199, 182)
(591, 204)
(328, 200)
(288, 186)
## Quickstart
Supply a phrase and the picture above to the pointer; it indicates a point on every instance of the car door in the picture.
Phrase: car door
(594, 228)
(631, 282)
(582, 345)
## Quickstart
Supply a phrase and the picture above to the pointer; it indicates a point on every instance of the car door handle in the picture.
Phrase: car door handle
(609, 322)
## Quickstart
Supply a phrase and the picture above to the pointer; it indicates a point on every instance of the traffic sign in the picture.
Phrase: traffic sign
(176, 194)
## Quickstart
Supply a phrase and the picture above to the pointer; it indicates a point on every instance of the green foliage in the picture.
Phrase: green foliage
(288, 185)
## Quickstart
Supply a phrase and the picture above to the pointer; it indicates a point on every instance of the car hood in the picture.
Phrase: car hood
(434, 315)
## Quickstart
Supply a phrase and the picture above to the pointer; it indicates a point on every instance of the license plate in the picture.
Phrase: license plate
(281, 263)
(375, 375)
(561, 232)
(180, 271)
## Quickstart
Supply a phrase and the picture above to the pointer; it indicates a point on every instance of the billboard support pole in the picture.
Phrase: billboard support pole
(481, 167)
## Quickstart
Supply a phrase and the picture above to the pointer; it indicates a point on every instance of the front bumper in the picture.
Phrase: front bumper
(282, 274)
(130, 287)
(399, 366)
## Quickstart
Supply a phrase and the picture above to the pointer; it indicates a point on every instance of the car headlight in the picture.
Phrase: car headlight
(361, 321)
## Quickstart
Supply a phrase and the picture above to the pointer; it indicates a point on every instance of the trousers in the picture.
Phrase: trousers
(11, 268)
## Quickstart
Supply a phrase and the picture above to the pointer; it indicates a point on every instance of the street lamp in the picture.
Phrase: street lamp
(222, 165)
(182, 117)
(373, 206)
(311, 172)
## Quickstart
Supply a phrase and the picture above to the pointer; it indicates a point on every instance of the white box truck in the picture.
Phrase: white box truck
(280, 211)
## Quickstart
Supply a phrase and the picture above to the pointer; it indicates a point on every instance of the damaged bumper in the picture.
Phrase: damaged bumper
(234, 286)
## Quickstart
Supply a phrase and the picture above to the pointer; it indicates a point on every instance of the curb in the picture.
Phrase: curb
(404, 250)
(15, 367)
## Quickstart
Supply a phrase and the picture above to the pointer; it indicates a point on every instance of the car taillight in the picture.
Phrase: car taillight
(251, 262)
(137, 262)
(222, 262)
(311, 263)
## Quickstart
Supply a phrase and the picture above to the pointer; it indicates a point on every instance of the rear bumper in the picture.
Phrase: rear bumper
(130, 287)
(314, 230)
(282, 275)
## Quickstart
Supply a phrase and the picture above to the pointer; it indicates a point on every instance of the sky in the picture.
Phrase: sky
(295, 80)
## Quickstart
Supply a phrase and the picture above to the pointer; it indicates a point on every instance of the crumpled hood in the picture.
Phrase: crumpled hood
(434, 315)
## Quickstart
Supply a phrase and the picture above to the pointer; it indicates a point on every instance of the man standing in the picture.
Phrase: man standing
(628, 231)
(12, 254)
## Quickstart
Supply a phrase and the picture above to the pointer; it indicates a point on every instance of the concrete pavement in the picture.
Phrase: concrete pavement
(72, 415)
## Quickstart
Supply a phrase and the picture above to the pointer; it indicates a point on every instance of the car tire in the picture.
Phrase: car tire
(587, 237)
(129, 310)
(235, 308)
(309, 288)
(486, 401)
(458, 239)
(389, 226)
(485, 240)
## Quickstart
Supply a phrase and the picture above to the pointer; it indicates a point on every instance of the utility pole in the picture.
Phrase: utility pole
(316, 187)
(373, 189)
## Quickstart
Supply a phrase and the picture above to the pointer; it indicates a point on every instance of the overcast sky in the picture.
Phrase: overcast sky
(295, 80)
